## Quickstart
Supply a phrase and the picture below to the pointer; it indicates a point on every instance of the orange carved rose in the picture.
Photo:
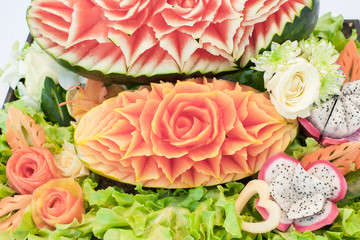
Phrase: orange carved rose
(58, 201)
(29, 168)
(195, 132)
(188, 120)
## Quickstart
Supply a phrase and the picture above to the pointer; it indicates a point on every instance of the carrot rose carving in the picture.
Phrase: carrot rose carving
(29, 168)
(58, 201)
(196, 132)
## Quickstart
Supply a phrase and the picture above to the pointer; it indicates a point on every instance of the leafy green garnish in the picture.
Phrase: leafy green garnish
(330, 28)
(250, 77)
(51, 96)
(198, 213)
(302, 146)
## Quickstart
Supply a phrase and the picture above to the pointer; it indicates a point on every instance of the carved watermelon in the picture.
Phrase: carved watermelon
(130, 41)
(196, 132)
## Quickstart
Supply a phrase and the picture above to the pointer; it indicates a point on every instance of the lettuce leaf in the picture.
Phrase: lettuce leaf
(198, 213)
(302, 146)
(330, 28)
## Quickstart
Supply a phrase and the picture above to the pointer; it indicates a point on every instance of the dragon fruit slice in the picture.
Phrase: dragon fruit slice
(337, 120)
(306, 196)
(331, 176)
(305, 184)
(325, 217)
(306, 206)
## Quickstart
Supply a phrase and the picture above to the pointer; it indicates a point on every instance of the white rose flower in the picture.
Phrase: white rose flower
(68, 162)
(294, 90)
(45, 66)
(34, 64)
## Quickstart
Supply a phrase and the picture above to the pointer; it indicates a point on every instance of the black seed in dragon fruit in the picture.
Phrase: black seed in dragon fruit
(306, 206)
(307, 185)
(336, 126)
(330, 175)
(351, 88)
(325, 217)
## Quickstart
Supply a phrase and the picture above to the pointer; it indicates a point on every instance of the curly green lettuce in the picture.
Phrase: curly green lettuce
(330, 29)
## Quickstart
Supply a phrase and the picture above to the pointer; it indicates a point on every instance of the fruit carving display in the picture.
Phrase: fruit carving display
(169, 119)
(129, 42)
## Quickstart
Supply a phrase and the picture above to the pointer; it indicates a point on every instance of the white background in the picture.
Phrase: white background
(13, 24)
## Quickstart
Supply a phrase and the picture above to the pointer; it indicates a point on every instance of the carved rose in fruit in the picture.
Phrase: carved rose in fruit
(128, 16)
(191, 17)
(190, 120)
(58, 201)
(120, 39)
(29, 168)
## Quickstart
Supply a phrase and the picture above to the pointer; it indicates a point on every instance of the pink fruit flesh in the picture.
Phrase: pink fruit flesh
(310, 129)
(283, 225)
(338, 187)
(270, 167)
(318, 220)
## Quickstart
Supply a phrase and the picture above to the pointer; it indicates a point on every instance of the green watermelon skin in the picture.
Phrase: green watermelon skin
(303, 26)
(300, 28)
(201, 63)
(130, 80)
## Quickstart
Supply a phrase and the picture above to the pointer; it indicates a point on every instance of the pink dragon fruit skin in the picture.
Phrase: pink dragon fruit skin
(338, 119)
(327, 219)
(326, 177)
(326, 141)
(330, 175)
(264, 173)
(311, 131)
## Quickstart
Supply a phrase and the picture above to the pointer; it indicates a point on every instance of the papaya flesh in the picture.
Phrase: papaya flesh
(192, 133)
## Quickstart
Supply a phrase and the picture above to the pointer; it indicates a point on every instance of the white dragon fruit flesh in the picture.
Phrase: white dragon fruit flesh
(337, 120)
(306, 196)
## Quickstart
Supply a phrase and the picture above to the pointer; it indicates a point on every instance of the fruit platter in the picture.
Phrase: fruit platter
(169, 119)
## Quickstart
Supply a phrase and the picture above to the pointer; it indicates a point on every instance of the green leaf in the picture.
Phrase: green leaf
(302, 146)
(250, 77)
(51, 96)
(330, 28)
(25, 227)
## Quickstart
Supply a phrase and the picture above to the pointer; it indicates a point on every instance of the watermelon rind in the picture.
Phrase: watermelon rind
(82, 63)
(302, 26)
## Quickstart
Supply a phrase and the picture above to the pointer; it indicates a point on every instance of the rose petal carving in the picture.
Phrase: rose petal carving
(195, 132)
